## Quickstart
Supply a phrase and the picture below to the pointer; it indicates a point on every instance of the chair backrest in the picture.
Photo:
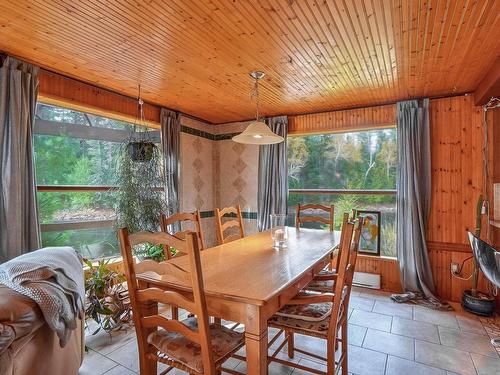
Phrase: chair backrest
(345, 220)
(229, 219)
(300, 218)
(141, 294)
(194, 218)
(345, 274)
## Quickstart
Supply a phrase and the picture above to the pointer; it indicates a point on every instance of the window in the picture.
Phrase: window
(349, 170)
(75, 159)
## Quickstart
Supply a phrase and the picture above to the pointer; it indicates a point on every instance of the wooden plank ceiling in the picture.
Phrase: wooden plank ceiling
(195, 55)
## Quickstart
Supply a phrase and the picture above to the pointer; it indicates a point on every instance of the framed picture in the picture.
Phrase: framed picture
(369, 242)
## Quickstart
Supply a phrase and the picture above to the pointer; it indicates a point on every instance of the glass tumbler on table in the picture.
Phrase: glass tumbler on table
(279, 231)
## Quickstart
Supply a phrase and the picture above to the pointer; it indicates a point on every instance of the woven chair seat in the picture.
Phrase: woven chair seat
(310, 319)
(175, 347)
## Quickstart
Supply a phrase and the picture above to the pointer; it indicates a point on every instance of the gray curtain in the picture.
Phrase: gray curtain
(413, 200)
(170, 142)
(19, 227)
(273, 175)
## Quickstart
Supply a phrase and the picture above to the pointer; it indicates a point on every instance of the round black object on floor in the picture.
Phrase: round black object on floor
(483, 304)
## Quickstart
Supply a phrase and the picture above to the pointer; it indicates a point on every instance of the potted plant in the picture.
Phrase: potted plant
(140, 197)
(141, 150)
(140, 181)
(107, 300)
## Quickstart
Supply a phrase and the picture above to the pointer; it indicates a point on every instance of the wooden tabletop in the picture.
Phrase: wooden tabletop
(250, 269)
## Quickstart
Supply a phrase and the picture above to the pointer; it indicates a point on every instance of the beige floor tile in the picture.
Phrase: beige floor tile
(356, 334)
(371, 320)
(417, 330)
(311, 344)
(120, 370)
(442, 318)
(397, 345)
(444, 357)
(400, 366)
(95, 364)
(486, 365)
(366, 362)
(128, 356)
(393, 309)
(467, 341)
(470, 324)
(105, 343)
(360, 303)
(308, 363)
(273, 369)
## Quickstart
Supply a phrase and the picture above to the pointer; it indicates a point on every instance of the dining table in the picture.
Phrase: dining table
(247, 280)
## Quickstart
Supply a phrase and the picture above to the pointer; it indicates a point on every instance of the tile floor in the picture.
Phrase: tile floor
(385, 338)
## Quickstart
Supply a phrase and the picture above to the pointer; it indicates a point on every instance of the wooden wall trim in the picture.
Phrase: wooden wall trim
(448, 246)
(345, 120)
(63, 91)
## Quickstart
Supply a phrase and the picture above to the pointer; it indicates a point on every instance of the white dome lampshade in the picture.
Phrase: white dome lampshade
(258, 133)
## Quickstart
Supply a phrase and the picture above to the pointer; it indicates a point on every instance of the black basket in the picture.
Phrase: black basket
(141, 151)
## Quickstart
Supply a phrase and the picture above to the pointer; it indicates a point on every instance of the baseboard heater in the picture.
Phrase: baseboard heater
(366, 280)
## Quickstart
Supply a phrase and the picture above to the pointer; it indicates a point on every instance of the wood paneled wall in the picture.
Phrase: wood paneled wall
(60, 90)
(387, 268)
(457, 137)
(347, 120)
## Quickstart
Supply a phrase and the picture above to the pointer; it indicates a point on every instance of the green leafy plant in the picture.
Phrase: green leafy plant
(140, 194)
(148, 251)
(153, 252)
(107, 301)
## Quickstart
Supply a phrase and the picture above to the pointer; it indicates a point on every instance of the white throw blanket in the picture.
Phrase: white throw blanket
(53, 278)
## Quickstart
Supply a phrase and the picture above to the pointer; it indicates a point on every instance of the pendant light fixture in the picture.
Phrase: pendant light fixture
(257, 133)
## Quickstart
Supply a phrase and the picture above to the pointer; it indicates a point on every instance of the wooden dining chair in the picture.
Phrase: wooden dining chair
(193, 217)
(323, 281)
(321, 315)
(300, 218)
(191, 345)
(229, 223)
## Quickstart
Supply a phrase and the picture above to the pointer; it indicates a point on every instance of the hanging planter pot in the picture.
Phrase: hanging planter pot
(141, 151)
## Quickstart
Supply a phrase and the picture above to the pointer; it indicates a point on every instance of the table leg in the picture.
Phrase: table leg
(147, 366)
(256, 344)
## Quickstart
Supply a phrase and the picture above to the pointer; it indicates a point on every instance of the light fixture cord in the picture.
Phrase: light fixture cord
(255, 93)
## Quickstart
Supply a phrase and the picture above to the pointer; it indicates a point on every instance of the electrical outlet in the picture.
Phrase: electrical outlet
(454, 268)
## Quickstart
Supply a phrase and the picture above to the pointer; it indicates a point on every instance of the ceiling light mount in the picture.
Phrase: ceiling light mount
(257, 74)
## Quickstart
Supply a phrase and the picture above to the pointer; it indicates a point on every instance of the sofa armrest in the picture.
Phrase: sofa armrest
(19, 317)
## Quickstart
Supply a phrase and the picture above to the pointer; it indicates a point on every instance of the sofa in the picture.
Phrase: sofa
(28, 345)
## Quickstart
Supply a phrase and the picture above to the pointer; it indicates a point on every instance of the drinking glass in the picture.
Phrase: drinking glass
(279, 231)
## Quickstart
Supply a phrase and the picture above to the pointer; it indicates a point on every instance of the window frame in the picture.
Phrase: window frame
(81, 131)
(337, 192)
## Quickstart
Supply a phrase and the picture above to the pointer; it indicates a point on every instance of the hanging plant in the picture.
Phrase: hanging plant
(140, 180)
(141, 150)
(140, 194)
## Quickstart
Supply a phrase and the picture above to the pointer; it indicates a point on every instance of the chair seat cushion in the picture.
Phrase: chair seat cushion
(313, 312)
(181, 349)
(321, 285)
(326, 271)
(308, 319)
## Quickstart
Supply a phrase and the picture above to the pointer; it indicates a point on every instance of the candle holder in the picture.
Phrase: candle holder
(279, 231)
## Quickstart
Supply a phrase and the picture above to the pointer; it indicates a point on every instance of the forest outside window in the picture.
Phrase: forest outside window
(354, 170)
(75, 158)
